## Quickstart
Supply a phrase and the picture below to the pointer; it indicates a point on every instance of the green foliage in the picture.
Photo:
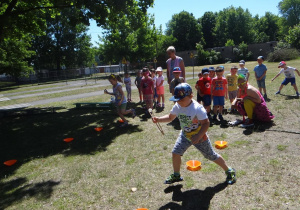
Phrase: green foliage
(207, 57)
(283, 51)
(208, 23)
(293, 37)
(241, 52)
(229, 43)
(14, 56)
(186, 30)
(290, 10)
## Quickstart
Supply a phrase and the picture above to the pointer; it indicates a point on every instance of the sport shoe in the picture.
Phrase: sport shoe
(221, 117)
(278, 92)
(247, 123)
(173, 178)
(265, 97)
(297, 94)
(215, 117)
(124, 124)
(133, 113)
(231, 176)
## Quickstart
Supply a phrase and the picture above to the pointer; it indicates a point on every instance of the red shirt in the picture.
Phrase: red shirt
(204, 85)
(147, 85)
(219, 86)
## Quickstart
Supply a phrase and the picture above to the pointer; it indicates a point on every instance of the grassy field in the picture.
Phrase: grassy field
(98, 170)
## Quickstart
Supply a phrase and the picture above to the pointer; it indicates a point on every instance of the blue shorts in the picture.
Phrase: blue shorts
(261, 83)
(205, 147)
(289, 80)
(219, 100)
(207, 100)
(199, 98)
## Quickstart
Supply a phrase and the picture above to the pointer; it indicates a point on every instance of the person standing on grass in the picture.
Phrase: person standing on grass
(194, 125)
(160, 87)
(176, 80)
(153, 76)
(242, 70)
(120, 99)
(147, 87)
(232, 85)
(137, 82)
(199, 96)
(127, 82)
(219, 93)
(260, 75)
(205, 90)
(289, 73)
(172, 62)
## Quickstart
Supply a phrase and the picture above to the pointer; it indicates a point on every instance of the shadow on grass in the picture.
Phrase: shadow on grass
(259, 127)
(17, 189)
(38, 136)
(192, 199)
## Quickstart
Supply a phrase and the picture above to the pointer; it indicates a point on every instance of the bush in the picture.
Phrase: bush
(208, 57)
(241, 52)
(229, 43)
(283, 54)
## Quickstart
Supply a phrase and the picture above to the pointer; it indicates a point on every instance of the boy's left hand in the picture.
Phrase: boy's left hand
(196, 140)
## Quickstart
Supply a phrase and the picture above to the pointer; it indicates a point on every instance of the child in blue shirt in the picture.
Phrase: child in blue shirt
(260, 75)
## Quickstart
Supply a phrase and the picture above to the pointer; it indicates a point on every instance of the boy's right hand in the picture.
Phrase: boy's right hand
(105, 91)
(155, 119)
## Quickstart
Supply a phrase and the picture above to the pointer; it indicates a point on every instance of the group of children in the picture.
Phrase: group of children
(194, 118)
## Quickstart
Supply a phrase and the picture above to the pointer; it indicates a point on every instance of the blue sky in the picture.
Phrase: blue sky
(164, 9)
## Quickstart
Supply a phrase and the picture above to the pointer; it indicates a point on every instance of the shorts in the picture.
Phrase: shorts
(232, 94)
(205, 147)
(289, 80)
(128, 89)
(155, 93)
(219, 100)
(207, 100)
(261, 83)
(160, 90)
(148, 98)
(122, 107)
(199, 98)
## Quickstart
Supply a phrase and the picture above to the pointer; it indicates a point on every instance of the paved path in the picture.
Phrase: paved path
(71, 97)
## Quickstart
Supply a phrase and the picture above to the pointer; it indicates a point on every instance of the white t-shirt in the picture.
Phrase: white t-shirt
(127, 81)
(189, 116)
(243, 71)
(154, 81)
(289, 72)
(159, 79)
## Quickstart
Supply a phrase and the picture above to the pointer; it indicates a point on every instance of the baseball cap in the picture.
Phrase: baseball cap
(220, 69)
(242, 62)
(182, 90)
(159, 69)
(205, 71)
(177, 70)
(261, 57)
(211, 68)
(145, 70)
(281, 64)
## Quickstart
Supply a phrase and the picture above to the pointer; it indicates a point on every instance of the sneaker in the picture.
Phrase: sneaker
(163, 106)
(133, 113)
(221, 117)
(247, 123)
(278, 92)
(215, 117)
(231, 176)
(172, 178)
(125, 124)
(265, 96)
(297, 94)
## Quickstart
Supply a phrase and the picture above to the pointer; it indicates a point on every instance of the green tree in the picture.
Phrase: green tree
(290, 10)
(236, 24)
(241, 52)
(293, 37)
(208, 23)
(229, 43)
(186, 30)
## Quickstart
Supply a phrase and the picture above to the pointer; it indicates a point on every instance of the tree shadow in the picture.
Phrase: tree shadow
(31, 137)
(17, 189)
(192, 199)
(258, 127)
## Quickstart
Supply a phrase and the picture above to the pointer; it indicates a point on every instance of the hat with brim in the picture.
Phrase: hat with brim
(181, 91)
(205, 71)
(261, 58)
(177, 70)
(281, 64)
(159, 69)
(242, 62)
